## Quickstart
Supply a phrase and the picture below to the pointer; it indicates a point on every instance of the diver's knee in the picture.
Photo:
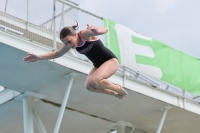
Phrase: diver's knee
(94, 82)
(88, 87)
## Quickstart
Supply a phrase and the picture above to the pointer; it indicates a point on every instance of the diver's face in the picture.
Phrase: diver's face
(70, 40)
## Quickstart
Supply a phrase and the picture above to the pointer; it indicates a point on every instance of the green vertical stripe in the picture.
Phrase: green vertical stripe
(111, 41)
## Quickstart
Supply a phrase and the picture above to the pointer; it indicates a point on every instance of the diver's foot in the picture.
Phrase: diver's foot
(119, 96)
(121, 91)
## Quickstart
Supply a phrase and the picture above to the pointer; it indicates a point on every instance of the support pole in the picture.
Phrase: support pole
(68, 18)
(30, 110)
(62, 17)
(37, 118)
(64, 102)
(121, 129)
(165, 109)
(27, 15)
(28, 118)
(6, 6)
(122, 126)
(54, 25)
(124, 75)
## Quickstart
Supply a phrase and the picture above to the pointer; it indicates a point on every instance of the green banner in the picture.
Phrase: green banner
(153, 57)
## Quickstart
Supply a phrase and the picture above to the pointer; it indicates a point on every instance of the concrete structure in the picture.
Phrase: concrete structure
(52, 94)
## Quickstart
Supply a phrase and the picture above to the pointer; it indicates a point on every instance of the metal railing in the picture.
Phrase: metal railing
(46, 32)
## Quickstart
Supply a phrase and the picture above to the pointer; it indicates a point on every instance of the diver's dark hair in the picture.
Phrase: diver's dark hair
(69, 30)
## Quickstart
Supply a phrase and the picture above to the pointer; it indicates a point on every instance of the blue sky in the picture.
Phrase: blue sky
(174, 22)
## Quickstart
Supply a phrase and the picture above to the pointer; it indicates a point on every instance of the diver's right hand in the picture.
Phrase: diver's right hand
(31, 58)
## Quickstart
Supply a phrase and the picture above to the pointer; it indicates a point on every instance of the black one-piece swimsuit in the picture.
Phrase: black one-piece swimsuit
(95, 51)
